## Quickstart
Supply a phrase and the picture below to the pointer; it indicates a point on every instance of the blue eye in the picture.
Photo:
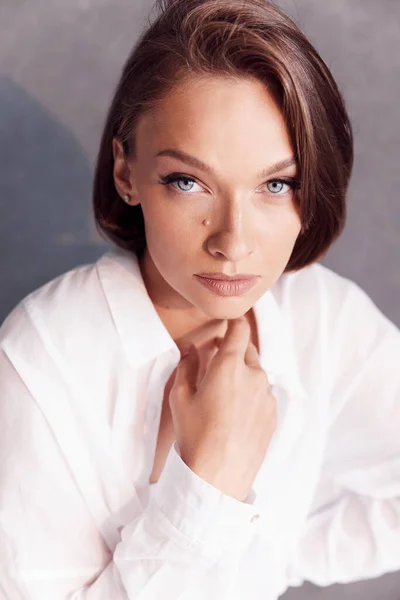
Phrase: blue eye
(291, 182)
(168, 180)
(278, 182)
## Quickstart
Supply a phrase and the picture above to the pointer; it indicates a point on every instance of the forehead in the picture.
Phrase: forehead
(218, 112)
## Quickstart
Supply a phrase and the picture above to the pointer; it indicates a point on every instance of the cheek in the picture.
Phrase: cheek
(278, 241)
(281, 228)
(291, 227)
(160, 222)
(168, 230)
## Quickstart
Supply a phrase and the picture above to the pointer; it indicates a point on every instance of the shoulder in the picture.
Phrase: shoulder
(315, 285)
(61, 337)
(327, 299)
(336, 325)
(315, 300)
(56, 301)
(57, 305)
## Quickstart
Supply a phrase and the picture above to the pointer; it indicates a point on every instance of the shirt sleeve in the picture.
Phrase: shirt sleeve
(50, 548)
(353, 530)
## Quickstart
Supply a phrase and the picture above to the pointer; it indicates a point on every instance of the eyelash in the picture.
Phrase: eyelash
(167, 180)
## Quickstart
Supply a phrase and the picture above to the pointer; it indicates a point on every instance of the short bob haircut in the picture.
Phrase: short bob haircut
(234, 39)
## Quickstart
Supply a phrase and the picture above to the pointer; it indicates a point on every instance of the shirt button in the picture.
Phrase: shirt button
(254, 517)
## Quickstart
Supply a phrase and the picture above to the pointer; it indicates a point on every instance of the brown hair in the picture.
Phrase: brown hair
(235, 39)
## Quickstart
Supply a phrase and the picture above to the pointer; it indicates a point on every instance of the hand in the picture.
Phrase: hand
(225, 422)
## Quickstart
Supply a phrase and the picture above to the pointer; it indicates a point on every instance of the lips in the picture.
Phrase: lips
(224, 287)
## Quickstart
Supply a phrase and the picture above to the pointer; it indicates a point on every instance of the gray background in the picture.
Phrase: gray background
(59, 62)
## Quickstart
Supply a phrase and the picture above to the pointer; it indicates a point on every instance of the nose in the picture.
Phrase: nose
(232, 237)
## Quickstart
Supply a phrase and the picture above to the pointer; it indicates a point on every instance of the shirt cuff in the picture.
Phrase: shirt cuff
(202, 513)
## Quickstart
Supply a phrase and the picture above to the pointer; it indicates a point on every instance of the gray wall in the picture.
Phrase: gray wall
(59, 62)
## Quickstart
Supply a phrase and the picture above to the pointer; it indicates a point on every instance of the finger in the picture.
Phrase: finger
(203, 333)
(186, 373)
(252, 358)
(236, 337)
(207, 353)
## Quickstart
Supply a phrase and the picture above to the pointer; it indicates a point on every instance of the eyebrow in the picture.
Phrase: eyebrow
(199, 164)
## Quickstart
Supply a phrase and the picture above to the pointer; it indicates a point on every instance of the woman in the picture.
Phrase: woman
(267, 455)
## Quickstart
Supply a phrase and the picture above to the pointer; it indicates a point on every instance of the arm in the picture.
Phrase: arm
(50, 547)
(353, 529)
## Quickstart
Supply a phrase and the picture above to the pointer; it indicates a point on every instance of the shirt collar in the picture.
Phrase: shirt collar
(144, 337)
(140, 328)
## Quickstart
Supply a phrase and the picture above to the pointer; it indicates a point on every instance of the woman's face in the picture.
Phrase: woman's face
(237, 131)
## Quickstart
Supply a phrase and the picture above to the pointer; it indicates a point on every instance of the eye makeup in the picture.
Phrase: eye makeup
(171, 178)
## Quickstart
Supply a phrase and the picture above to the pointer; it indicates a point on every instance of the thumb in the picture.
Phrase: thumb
(186, 372)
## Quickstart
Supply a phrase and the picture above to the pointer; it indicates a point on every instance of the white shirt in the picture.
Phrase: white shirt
(83, 365)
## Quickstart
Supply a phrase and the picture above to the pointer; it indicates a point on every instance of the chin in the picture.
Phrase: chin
(229, 307)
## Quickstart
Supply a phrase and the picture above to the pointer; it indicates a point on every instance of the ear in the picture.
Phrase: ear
(124, 174)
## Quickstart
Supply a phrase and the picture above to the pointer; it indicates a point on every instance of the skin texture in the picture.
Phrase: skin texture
(235, 127)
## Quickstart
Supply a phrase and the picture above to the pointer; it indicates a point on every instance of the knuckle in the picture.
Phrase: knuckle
(230, 352)
(263, 377)
(232, 355)
(269, 386)
(177, 392)
(272, 401)
(259, 376)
